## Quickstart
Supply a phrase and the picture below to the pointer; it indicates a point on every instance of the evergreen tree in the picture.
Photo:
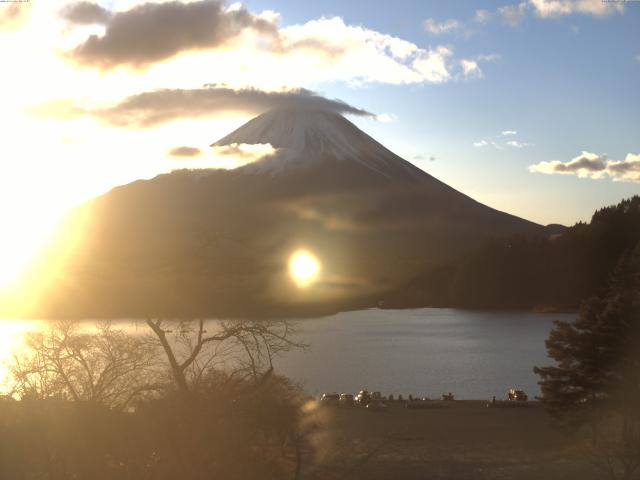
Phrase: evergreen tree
(596, 381)
(598, 354)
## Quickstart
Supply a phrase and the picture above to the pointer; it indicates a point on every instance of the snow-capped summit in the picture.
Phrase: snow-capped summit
(306, 137)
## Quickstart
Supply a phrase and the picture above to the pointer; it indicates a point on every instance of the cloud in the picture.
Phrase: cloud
(244, 151)
(367, 56)
(152, 32)
(185, 152)
(431, 158)
(499, 146)
(591, 165)
(483, 16)
(13, 15)
(440, 28)
(86, 13)
(560, 8)
(470, 68)
(386, 117)
(226, 157)
(432, 64)
(513, 15)
(155, 107)
(243, 48)
(516, 144)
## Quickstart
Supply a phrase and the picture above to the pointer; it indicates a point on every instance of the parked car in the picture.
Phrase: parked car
(363, 398)
(347, 400)
(517, 395)
(330, 399)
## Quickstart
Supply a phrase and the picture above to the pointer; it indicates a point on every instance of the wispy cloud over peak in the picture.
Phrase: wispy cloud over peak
(148, 109)
(506, 133)
(386, 117)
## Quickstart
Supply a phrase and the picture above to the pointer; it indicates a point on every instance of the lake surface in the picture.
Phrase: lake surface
(423, 352)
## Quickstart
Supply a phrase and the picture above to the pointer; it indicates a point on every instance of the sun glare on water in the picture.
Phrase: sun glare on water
(304, 268)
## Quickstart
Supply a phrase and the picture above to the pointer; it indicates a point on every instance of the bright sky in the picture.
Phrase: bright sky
(530, 107)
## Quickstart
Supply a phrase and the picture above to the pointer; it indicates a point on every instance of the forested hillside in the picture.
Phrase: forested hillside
(525, 272)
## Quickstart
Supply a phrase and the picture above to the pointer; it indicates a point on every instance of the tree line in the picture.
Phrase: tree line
(548, 273)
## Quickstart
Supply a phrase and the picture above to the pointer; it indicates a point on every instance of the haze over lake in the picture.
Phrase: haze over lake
(473, 354)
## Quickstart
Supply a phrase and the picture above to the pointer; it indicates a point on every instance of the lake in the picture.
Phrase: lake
(473, 354)
(423, 352)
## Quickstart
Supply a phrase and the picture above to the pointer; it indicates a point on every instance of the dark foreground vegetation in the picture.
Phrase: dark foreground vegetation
(170, 401)
(594, 387)
(552, 273)
(230, 429)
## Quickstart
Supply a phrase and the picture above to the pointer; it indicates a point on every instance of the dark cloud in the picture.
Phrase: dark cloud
(625, 166)
(589, 163)
(153, 32)
(13, 15)
(159, 106)
(185, 152)
(85, 13)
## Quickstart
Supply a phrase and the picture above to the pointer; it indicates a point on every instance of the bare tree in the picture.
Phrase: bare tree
(247, 347)
(101, 364)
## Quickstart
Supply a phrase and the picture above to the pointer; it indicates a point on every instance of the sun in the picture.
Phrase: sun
(304, 268)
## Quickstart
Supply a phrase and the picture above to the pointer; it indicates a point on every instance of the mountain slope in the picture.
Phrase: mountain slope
(218, 243)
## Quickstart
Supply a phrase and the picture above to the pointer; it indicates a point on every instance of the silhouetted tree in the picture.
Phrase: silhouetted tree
(102, 364)
(596, 380)
(245, 347)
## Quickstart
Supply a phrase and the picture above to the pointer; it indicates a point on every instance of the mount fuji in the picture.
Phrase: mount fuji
(217, 243)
